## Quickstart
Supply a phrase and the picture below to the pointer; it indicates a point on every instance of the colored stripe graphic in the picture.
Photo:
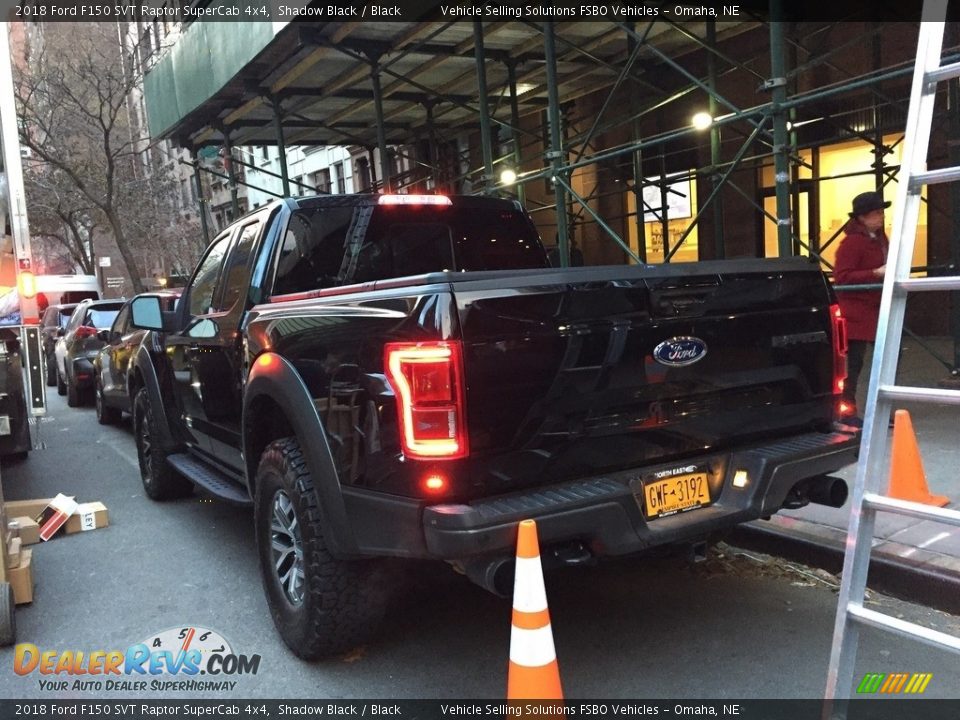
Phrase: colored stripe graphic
(895, 683)
(923, 679)
(870, 683)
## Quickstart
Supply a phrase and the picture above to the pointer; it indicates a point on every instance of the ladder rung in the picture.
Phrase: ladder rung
(944, 72)
(902, 627)
(929, 284)
(920, 394)
(911, 509)
(932, 177)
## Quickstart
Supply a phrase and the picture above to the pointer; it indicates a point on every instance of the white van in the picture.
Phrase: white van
(61, 289)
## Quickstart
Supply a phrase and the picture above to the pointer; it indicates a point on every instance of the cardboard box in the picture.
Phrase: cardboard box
(28, 508)
(55, 515)
(21, 578)
(27, 530)
(13, 553)
(87, 516)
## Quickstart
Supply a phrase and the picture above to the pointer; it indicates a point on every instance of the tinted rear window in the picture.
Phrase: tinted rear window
(404, 240)
(329, 246)
(101, 319)
(56, 317)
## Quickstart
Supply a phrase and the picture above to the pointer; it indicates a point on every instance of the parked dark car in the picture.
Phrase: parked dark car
(78, 345)
(113, 360)
(15, 441)
(55, 318)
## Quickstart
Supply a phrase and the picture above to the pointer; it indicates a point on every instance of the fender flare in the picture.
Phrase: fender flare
(144, 363)
(279, 381)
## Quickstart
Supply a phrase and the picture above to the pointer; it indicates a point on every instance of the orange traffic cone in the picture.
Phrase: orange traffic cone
(908, 481)
(534, 673)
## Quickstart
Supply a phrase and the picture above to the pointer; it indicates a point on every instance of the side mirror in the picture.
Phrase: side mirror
(104, 336)
(146, 313)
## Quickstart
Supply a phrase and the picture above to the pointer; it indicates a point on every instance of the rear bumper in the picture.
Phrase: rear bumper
(603, 513)
(83, 372)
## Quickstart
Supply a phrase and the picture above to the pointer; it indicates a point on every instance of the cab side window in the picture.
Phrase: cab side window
(121, 326)
(204, 285)
(236, 276)
(312, 249)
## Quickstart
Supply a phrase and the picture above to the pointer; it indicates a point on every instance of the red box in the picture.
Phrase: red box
(55, 515)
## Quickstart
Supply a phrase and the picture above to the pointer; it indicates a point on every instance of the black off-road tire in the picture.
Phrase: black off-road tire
(160, 481)
(61, 385)
(106, 415)
(8, 621)
(73, 394)
(341, 602)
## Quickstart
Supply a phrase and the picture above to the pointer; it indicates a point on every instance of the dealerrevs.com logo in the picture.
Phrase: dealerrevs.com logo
(179, 659)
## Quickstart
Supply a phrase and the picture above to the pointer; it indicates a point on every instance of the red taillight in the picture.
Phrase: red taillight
(84, 331)
(839, 328)
(428, 381)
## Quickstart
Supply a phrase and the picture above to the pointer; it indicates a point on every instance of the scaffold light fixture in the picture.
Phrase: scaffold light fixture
(702, 120)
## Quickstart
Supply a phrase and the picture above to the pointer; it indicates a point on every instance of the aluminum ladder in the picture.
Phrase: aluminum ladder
(883, 391)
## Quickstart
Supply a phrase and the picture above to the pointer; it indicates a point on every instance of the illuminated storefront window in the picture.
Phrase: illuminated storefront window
(680, 205)
(845, 171)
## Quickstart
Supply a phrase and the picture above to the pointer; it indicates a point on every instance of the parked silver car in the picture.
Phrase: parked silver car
(77, 347)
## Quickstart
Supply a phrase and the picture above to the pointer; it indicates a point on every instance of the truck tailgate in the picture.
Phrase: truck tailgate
(563, 381)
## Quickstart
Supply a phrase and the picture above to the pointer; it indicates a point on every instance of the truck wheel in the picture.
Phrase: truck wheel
(61, 385)
(8, 623)
(160, 481)
(105, 415)
(73, 395)
(321, 606)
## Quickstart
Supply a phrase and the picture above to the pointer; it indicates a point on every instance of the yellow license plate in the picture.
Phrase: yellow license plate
(676, 494)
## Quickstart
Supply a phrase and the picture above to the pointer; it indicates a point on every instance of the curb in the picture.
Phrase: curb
(928, 585)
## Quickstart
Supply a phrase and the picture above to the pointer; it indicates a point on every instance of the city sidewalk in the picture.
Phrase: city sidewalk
(912, 559)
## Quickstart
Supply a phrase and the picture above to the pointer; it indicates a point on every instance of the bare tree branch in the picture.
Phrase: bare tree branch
(75, 101)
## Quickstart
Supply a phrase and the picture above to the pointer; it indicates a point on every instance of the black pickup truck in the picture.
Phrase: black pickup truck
(406, 377)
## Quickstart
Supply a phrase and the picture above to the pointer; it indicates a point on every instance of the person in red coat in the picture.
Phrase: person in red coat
(861, 260)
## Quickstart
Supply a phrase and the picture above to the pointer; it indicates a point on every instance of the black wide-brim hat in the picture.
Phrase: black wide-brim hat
(868, 202)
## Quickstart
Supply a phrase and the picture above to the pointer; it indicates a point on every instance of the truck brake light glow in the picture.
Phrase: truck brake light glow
(839, 327)
(428, 381)
(414, 200)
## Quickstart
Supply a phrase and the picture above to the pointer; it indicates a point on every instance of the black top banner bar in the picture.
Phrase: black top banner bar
(134, 709)
(466, 10)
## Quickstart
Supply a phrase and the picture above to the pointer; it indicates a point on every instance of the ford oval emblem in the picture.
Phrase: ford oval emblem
(680, 351)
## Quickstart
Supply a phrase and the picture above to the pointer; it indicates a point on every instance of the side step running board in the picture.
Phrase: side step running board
(210, 479)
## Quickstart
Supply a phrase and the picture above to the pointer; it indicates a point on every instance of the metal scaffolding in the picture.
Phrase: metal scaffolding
(585, 114)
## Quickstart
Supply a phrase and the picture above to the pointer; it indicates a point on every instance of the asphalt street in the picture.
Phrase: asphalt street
(736, 626)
